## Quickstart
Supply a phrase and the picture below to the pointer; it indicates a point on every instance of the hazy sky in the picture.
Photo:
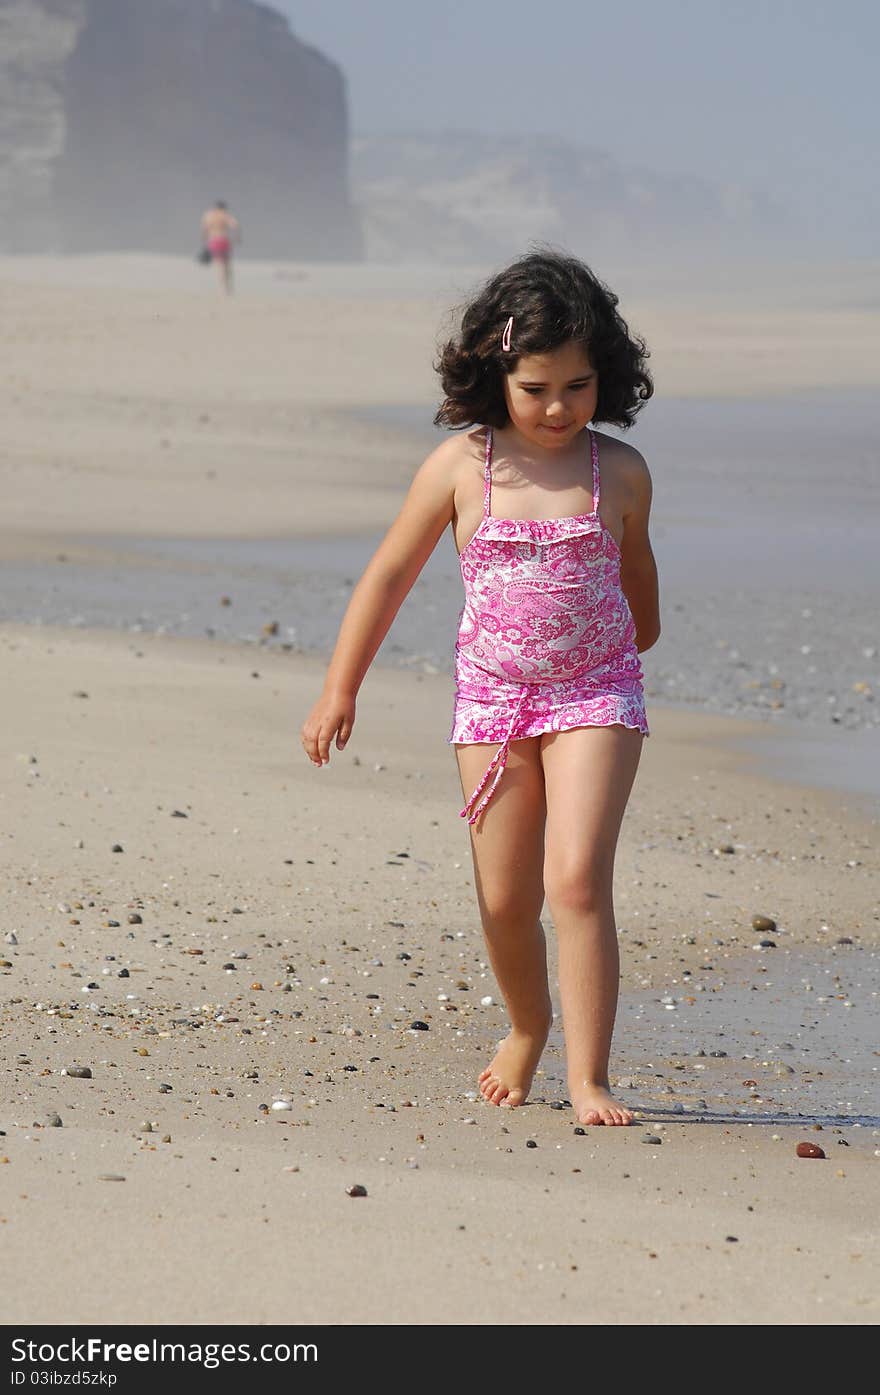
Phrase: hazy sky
(777, 94)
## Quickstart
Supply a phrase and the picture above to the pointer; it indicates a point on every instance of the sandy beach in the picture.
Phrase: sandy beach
(211, 927)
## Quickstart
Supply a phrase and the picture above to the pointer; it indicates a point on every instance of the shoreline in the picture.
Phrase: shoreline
(213, 928)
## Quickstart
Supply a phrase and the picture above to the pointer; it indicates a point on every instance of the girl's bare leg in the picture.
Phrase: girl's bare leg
(507, 844)
(588, 775)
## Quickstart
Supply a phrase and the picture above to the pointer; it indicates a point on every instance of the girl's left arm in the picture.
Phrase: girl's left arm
(638, 569)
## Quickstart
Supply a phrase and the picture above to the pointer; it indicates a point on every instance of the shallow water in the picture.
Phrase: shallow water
(765, 523)
(801, 1026)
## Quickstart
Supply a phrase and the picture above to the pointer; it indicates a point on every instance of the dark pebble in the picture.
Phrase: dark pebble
(419, 1027)
(117, 847)
(356, 1190)
(809, 1150)
(763, 922)
(179, 814)
(651, 1138)
(717, 1053)
(557, 1105)
(135, 919)
(530, 1143)
(844, 940)
(582, 1133)
(110, 1177)
(123, 973)
(732, 1239)
(403, 955)
(766, 944)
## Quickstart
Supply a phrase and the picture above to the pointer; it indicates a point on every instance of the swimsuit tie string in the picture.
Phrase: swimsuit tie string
(496, 764)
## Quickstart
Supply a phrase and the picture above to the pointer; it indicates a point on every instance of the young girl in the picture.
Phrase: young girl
(550, 518)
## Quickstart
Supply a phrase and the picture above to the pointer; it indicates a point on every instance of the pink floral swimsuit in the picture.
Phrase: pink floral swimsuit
(546, 639)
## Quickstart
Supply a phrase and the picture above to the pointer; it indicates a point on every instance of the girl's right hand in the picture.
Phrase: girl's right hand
(332, 715)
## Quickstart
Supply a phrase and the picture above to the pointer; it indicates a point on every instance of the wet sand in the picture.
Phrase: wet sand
(226, 958)
(293, 924)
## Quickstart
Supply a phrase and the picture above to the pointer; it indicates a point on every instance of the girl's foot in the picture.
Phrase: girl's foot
(508, 1079)
(594, 1104)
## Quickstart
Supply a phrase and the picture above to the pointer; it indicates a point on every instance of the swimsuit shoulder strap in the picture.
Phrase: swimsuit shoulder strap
(487, 492)
(594, 456)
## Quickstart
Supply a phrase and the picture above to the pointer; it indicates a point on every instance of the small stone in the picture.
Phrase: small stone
(356, 1190)
(809, 1150)
(111, 1177)
(146, 1127)
(725, 848)
(179, 814)
(282, 1104)
(166, 1138)
(419, 1027)
(844, 940)
(123, 973)
(11, 938)
(257, 987)
(270, 627)
(165, 1089)
(763, 922)
(732, 1239)
(651, 1138)
(487, 1001)
(117, 847)
(718, 1053)
(53, 1121)
(135, 919)
(78, 1072)
(766, 944)
(530, 1143)
(582, 1133)
(111, 924)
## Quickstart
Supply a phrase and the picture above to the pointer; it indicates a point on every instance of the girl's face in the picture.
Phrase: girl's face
(551, 397)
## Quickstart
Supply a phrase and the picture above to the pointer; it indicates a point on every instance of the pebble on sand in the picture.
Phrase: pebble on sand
(419, 1027)
(809, 1150)
(763, 922)
(356, 1190)
(78, 1072)
(651, 1138)
(110, 1177)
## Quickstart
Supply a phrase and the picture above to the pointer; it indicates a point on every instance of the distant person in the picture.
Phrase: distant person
(220, 231)
(561, 597)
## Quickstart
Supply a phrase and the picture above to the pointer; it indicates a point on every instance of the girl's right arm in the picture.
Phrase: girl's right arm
(387, 580)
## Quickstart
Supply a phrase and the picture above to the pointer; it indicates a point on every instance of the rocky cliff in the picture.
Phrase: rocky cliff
(476, 197)
(120, 120)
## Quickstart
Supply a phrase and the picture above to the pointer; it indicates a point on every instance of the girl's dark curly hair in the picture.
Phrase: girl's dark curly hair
(553, 299)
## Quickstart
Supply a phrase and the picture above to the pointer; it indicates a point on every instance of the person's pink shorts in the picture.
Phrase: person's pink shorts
(220, 247)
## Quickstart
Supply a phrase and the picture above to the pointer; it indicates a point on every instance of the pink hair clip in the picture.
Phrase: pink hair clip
(505, 338)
